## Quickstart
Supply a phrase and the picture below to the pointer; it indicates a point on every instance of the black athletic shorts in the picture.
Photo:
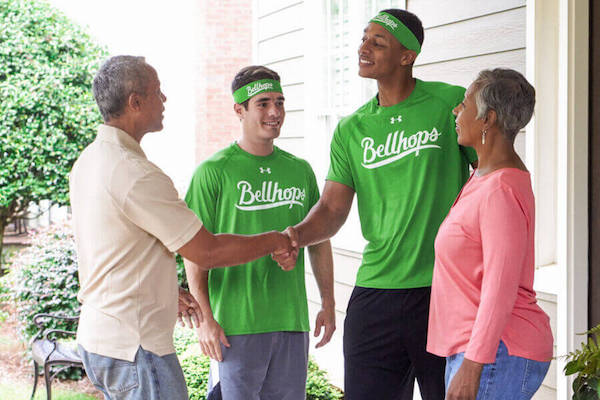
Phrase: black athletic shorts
(385, 336)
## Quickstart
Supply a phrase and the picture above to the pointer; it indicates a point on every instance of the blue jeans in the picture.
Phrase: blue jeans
(510, 377)
(148, 377)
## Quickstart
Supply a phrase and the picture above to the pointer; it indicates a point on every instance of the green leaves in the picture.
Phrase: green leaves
(585, 362)
(317, 385)
(43, 279)
(47, 111)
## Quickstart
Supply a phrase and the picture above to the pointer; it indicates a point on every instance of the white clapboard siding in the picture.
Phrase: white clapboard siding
(464, 70)
(483, 35)
(266, 7)
(280, 48)
(442, 12)
(280, 35)
(291, 71)
(280, 22)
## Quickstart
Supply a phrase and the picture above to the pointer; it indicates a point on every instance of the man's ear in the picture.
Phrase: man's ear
(134, 101)
(408, 57)
(239, 110)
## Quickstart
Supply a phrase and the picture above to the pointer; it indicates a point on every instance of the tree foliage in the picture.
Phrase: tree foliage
(47, 111)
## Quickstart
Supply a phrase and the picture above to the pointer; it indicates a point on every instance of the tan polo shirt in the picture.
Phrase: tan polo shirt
(128, 220)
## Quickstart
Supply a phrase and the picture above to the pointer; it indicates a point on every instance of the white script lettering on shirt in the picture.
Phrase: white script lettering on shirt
(270, 195)
(397, 146)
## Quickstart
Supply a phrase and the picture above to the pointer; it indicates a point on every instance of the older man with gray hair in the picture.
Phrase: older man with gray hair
(128, 220)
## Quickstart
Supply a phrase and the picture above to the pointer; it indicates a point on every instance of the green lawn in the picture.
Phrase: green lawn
(22, 392)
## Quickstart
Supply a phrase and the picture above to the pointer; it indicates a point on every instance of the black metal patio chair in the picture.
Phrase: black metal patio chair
(47, 352)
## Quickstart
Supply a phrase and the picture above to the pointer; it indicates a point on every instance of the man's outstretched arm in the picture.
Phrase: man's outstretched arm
(322, 222)
(224, 250)
(327, 216)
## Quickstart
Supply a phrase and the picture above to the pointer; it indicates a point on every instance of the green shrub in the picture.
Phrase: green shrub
(195, 366)
(317, 385)
(44, 279)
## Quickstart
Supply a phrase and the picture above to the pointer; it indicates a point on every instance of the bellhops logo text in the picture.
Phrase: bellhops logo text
(396, 147)
(270, 195)
(259, 87)
(384, 18)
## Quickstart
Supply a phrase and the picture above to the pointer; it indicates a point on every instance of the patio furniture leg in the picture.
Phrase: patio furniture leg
(36, 374)
(48, 379)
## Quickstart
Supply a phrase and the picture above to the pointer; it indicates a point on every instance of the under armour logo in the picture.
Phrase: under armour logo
(396, 119)
(263, 170)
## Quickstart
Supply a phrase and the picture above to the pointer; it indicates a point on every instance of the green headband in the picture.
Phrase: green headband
(398, 30)
(253, 88)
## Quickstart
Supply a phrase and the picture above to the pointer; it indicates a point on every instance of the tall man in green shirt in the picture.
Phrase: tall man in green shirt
(256, 315)
(399, 154)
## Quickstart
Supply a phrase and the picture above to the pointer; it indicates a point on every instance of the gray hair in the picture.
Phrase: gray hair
(508, 93)
(117, 78)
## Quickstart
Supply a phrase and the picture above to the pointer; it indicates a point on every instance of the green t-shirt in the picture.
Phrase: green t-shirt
(406, 167)
(237, 192)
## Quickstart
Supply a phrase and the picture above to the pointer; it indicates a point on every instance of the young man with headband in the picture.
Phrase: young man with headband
(399, 154)
(259, 332)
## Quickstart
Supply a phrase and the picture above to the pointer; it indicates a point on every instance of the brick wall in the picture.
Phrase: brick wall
(224, 46)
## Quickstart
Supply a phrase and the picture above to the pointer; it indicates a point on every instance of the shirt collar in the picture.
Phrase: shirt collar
(120, 137)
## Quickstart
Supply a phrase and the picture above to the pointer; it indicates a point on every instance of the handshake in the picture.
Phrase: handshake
(288, 248)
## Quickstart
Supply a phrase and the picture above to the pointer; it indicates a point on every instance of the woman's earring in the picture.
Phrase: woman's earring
(483, 132)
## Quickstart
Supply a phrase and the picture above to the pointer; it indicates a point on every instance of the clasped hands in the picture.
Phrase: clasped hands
(287, 255)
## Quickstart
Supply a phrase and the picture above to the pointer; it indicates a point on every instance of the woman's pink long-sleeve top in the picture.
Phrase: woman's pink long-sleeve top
(482, 289)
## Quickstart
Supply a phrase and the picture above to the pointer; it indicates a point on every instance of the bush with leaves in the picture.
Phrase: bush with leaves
(47, 111)
(317, 385)
(585, 362)
(44, 279)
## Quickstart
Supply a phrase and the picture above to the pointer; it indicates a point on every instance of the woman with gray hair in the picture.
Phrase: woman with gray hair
(483, 314)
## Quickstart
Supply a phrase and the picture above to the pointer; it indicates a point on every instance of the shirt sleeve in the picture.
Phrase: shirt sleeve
(504, 238)
(203, 194)
(153, 204)
(339, 167)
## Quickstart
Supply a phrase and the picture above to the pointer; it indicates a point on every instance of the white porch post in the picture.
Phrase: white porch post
(557, 155)
(572, 238)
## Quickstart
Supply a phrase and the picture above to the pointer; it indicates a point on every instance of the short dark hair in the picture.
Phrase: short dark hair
(410, 20)
(116, 79)
(250, 74)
